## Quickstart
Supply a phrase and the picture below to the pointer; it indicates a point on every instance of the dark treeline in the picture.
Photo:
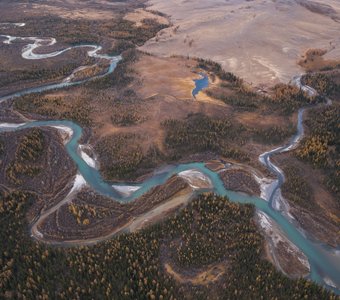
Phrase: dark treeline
(273, 135)
(130, 266)
(240, 100)
(217, 69)
(321, 82)
(322, 145)
(296, 188)
(200, 133)
(122, 156)
(285, 98)
(27, 153)
(36, 74)
(288, 99)
(60, 108)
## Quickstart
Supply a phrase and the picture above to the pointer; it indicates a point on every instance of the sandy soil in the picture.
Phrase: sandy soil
(285, 255)
(259, 40)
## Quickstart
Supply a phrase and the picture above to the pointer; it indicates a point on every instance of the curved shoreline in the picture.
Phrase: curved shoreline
(323, 269)
(28, 53)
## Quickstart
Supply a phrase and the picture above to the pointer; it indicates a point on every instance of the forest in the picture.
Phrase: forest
(274, 135)
(296, 188)
(122, 156)
(36, 73)
(288, 98)
(60, 108)
(27, 153)
(200, 133)
(321, 147)
(321, 82)
(130, 266)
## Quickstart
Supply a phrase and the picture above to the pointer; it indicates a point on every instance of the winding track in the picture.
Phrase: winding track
(320, 258)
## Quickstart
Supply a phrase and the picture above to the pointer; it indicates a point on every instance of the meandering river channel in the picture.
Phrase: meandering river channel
(324, 261)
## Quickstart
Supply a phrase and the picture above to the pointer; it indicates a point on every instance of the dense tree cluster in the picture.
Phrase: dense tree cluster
(213, 229)
(199, 133)
(121, 155)
(296, 188)
(59, 108)
(289, 98)
(217, 70)
(35, 73)
(130, 266)
(27, 153)
(242, 100)
(322, 146)
(321, 82)
(274, 134)
(314, 149)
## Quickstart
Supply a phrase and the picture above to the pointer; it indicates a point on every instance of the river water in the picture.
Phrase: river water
(324, 261)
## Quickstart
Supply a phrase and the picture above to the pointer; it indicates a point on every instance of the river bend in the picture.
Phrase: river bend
(324, 261)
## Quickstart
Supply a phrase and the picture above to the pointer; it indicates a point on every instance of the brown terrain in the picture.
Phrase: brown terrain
(234, 33)
(155, 88)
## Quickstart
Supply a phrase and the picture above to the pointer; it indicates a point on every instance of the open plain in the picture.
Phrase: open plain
(260, 40)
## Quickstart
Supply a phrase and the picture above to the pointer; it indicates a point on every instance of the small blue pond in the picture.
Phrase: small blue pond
(200, 84)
